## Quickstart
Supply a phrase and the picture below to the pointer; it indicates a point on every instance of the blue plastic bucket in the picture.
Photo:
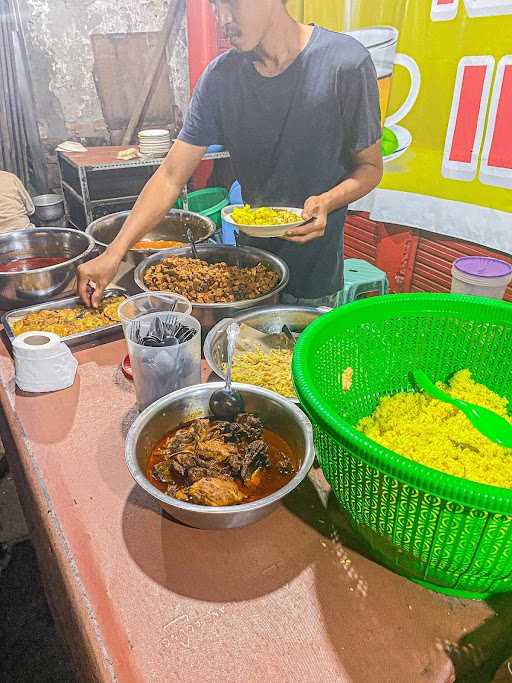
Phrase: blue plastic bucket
(235, 197)
(235, 193)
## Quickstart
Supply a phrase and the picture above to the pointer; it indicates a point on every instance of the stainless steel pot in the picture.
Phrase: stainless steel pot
(269, 319)
(20, 289)
(277, 413)
(209, 314)
(172, 227)
(49, 207)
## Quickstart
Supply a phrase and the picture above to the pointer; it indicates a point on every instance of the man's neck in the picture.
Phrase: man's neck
(281, 45)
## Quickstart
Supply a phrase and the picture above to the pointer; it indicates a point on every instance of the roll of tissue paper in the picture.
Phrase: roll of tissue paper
(43, 362)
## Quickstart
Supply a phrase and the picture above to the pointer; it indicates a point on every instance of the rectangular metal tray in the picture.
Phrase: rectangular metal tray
(95, 336)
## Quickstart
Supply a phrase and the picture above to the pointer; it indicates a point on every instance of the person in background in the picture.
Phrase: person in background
(297, 107)
(16, 206)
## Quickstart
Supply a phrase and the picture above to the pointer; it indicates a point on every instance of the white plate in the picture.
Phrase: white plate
(156, 142)
(156, 148)
(154, 134)
(264, 230)
(151, 143)
(153, 155)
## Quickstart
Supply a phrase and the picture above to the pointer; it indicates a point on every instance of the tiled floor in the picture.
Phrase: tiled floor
(30, 648)
(12, 522)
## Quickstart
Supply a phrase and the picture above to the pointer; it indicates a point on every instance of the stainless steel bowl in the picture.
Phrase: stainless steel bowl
(21, 289)
(269, 319)
(209, 314)
(191, 403)
(172, 227)
(49, 207)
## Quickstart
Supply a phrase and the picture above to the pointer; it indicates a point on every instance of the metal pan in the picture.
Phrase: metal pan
(96, 336)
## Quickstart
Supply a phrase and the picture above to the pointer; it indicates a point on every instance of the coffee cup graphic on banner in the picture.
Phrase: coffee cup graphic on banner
(382, 42)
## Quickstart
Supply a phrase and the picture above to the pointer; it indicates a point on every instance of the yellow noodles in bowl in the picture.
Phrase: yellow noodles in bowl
(268, 370)
(438, 435)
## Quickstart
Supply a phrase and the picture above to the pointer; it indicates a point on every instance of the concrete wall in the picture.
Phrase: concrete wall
(58, 41)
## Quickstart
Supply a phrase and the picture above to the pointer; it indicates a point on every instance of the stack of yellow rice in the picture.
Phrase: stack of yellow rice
(438, 435)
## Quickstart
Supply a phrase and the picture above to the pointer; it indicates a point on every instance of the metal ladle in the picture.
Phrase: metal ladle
(289, 335)
(226, 404)
(190, 238)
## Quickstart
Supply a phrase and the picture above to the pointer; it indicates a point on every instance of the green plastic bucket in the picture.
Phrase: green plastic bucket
(208, 202)
(444, 532)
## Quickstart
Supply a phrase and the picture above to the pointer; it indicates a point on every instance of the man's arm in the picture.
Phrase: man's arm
(367, 174)
(159, 194)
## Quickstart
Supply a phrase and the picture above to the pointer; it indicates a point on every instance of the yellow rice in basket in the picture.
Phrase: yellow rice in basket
(438, 435)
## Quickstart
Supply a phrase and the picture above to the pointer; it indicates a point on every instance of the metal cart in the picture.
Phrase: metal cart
(95, 183)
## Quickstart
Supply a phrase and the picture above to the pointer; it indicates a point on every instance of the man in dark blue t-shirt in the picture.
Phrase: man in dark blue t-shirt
(298, 109)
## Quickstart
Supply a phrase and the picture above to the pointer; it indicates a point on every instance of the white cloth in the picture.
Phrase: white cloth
(15, 203)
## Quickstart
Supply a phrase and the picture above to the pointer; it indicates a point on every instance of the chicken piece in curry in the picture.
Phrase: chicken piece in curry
(217, 463)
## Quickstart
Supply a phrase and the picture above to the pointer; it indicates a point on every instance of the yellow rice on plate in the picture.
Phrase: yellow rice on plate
(263, 216)
(268, 370)
(438, 435)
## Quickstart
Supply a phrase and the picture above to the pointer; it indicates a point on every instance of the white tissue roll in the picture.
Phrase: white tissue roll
(36, 344)
(43, 362)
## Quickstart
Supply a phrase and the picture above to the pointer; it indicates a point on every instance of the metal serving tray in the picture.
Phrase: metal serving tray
(96, 336)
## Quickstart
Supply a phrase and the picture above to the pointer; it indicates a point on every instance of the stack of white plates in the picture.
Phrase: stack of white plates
(154, 143)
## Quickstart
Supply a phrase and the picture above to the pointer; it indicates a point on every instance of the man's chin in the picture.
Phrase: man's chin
(240, 46)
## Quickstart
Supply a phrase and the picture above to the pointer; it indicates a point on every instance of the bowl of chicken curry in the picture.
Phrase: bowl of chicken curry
(214, 474)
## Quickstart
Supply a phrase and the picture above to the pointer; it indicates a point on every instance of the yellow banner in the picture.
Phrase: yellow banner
(445, 80)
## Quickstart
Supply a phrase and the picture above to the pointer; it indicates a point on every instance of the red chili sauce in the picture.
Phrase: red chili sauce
(21, 265)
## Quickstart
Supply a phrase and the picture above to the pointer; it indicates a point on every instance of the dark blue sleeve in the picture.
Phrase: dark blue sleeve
(202, 126)
(360, 108)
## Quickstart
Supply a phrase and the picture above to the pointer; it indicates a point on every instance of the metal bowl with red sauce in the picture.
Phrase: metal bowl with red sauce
(38, 265)
(22, 265)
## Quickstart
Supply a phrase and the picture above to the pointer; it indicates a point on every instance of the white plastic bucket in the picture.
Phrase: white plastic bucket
(481, 276)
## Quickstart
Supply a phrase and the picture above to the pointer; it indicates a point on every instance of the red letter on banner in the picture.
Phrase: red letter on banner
(496, 167)
(467, 117)
(444, 10)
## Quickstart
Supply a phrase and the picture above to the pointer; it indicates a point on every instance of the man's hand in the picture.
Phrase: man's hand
(365, 176)
(316, 211)
(156, 198)
(96, 274)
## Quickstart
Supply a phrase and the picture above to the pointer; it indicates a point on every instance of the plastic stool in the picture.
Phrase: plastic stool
(361, 277)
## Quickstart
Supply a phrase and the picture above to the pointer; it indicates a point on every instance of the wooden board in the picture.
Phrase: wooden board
(121, 62)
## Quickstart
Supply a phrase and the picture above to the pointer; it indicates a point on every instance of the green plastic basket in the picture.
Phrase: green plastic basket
(208, 202)
(446, 533)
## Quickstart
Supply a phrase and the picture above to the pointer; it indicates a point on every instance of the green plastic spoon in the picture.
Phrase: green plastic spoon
(488, 423)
